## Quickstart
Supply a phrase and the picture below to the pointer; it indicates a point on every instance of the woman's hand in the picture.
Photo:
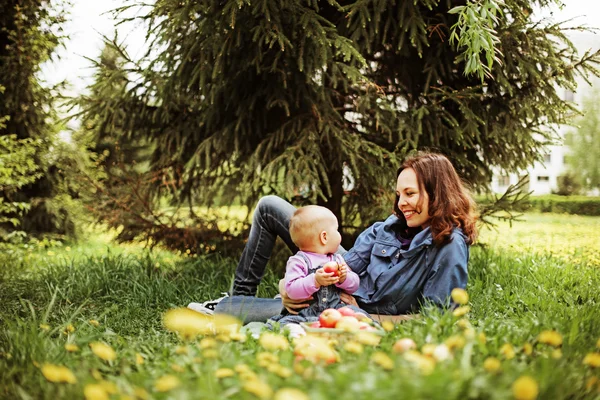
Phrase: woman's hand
(348, 299)
(293, 306)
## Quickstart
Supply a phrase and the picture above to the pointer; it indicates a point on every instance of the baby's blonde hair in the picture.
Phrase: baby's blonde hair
(306, 225)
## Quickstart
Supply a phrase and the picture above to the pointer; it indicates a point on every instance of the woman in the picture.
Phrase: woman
(415, 256)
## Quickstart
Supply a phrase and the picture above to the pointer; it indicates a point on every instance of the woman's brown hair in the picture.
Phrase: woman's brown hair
(450, 203)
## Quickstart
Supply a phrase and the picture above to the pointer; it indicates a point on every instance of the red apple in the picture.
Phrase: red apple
(403, 345)
(347, 312)
(348, 324)
(329, 318)
(331, 266)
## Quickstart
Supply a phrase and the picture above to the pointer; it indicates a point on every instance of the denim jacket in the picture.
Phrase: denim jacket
(395, 281)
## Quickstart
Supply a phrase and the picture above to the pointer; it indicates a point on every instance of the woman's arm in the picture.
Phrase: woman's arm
(449, 271)
(359, 256)
(293, 306)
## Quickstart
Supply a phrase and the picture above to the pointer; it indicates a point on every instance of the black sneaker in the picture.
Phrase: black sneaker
(208, 307)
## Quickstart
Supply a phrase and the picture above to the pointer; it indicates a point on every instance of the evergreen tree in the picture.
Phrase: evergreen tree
(243, 97)
(583, 159)
(29, 34)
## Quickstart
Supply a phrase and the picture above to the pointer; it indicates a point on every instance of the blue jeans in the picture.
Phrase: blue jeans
(271, 219)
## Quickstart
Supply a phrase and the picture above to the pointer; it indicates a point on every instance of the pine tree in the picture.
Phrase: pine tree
(29, 34)
(244, 98)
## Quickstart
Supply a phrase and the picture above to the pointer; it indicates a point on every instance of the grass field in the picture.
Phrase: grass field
(534, 298)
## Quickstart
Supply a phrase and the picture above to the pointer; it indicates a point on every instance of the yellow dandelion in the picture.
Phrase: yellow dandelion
(103, 351)
(525, 388)
(45, 327)
(441, 353)
(241, 368)
(459, 296)
(208, 343)
(482, 338)
(527, 349)
(425, 364)
(508, 351)
(428, 349)
(315, 349)
(258, 388)
(367, 338)
(210, 353)
(461, 311)
(51, 253)
(69, 329)
(591, 382)
(463, 323)
(225, 324)
(58, 374)
(353, 347)
(139, 359)
(279, 370)
(556, 354)
(491, 364)
(264, 359)
(455, 342)
(166, 383)
(224, 373)
(592, 359)
(177, 368)
(290, 394)
(140, 393)
(109, 387)
(96, 374)
(238, 337)
(67, 248)
(388, 326)
(93, 322)
(383, 360)
(187, 323)
(273, 342)
(224, 338)
(71, 347)
(551, 338)
(181, 350)
(94, 391)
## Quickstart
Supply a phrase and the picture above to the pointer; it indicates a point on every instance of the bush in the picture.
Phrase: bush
(580, 205)
(568, 185)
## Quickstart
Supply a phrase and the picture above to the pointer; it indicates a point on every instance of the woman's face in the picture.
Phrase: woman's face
(407, 189)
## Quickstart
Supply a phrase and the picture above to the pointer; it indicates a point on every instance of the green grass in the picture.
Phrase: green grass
(541, 275)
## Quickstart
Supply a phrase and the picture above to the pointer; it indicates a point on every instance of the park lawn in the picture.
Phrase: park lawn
(541, 277)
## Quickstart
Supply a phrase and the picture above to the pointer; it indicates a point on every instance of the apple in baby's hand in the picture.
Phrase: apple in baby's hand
(329, 318)
(348, 324)
(347, 312)
(331, 266)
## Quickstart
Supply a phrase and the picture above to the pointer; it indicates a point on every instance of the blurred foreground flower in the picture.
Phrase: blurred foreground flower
(592, 359)
(314, 349)
(93, 322)
(367, 338)
(388, 326)
(58, 373)
(552, 338)
(290, 394)
(508, 351)
(353, 347)
(139, 359)
(258, 388)
(491, 364)
(166, 383)
(94, 391)
(273, 342)
(186, 322)
(383, 360)
(525, 388)
(461, 311)
(103, 351)
(224, 373)
(72, 347)
(459, 296)
(45, 327)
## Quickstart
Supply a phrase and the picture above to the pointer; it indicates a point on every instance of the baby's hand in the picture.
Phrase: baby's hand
(343, 272)
(323, 278)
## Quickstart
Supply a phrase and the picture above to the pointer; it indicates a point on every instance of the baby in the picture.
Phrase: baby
(314, 230)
